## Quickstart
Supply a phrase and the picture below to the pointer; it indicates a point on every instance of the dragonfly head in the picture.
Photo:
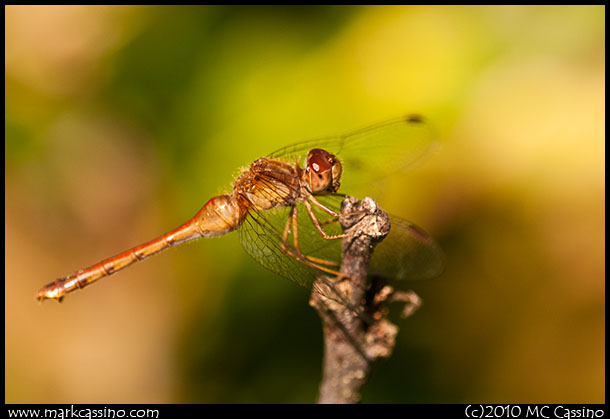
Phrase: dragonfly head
(322, 172)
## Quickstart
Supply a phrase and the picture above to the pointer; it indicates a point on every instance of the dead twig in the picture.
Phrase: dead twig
(356, 330)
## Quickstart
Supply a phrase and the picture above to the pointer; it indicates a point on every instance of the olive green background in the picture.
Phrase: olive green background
(121, 122)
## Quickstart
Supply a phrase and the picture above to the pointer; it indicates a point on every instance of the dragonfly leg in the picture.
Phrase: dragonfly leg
(287, 228)
(313, 264)
(293, 219)
(311, 261)
(322, 261)
(318, 264)
(316, 222)
(336, 216)
(323, 207)
(295, 235)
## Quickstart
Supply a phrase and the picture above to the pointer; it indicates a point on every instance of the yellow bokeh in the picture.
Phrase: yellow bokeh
(122, 121)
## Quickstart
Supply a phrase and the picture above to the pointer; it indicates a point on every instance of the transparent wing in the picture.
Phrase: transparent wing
(408, 252)
(261, 235)
(370, 153)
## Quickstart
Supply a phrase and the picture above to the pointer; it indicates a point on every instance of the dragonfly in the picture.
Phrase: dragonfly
(286, 207)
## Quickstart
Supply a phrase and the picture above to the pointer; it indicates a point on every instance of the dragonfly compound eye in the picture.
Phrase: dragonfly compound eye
(323, 171)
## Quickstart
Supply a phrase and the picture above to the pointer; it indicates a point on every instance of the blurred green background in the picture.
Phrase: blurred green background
(121, 122)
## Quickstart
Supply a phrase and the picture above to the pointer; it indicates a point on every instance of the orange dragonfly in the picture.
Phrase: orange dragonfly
(284, 207)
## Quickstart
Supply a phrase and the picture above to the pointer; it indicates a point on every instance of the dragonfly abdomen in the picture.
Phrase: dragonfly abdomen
(219, 216)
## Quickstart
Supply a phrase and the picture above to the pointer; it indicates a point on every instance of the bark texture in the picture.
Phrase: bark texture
(356, 330)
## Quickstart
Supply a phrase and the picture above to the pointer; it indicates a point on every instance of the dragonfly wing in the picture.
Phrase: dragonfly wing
(261, 235)
(408, 252)
(373, 152)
